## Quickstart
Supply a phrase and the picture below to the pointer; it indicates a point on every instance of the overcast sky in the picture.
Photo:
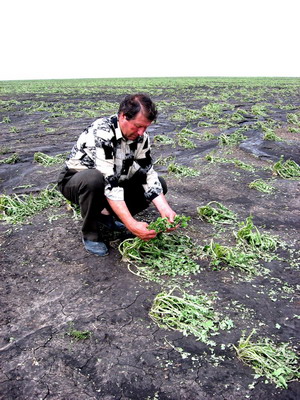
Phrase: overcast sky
(136, 38)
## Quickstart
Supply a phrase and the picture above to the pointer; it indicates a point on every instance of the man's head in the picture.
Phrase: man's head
(136, 113)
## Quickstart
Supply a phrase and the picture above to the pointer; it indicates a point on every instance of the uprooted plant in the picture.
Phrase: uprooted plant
(278, 363)
(182, 170)
(249, 236)
(167, 254)
(189, 314)
(286, 169)
(261, 186)
(222, 256)
(216, 213)
(46, 160)
(17, 208)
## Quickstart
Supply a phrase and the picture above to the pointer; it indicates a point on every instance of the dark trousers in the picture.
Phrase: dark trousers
(86, 189)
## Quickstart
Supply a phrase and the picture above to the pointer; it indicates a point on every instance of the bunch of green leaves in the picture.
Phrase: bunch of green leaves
(183, 138)
(223, 256)
(188, 133)
(164, 160)
(212, 111)
(163, 224)
(191, 315)
(278, 363)
(232, 139)
(293, 119)
(238, 163)
(259, 109)
(249, 235)
(78, 335)
(216, 213)
(14, 158)
(271, 135)
(167, 254)
(17, 208)
(261, 186)
(185, 142)
(162, 139)
(181, 170)
(286, 169)
(46, 160)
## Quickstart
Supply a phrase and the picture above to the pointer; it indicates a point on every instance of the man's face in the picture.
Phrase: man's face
(133, 128)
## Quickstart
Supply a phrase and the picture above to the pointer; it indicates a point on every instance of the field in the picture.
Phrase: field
(75, 326)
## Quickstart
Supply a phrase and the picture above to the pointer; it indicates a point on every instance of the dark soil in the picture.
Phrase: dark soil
(50, 284)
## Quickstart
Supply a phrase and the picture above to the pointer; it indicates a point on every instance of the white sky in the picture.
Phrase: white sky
(135, 38)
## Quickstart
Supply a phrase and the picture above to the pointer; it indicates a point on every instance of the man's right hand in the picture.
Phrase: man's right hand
(140, 230)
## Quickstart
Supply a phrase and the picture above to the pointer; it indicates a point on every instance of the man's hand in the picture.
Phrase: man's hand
(164, 209)
(136, 227)
(140, 229)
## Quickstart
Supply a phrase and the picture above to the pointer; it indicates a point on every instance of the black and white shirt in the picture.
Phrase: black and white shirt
(102, 146)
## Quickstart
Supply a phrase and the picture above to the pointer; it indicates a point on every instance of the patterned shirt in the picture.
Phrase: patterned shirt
(102, 146)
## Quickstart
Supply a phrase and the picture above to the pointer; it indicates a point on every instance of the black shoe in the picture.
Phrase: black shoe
(98, 248)
(111, 223)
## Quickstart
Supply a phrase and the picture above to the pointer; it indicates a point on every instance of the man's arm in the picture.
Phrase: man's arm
(138, 228)
(164, 208)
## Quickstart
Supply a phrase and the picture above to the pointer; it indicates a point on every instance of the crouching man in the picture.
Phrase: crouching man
(110, 175)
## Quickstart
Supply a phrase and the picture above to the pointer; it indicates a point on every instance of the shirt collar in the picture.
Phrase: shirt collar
(117, 127)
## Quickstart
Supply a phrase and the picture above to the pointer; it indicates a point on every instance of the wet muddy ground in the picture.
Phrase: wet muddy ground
(51, 286)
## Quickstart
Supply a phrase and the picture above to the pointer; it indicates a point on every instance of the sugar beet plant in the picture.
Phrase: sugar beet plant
(278, 363)
(191, 315)
(216, 213)
(182, 170)
(167, 254)
(261, 186)
(224, 256)
(46, 160)
(288, 169)
(249, 236)
(17, 208)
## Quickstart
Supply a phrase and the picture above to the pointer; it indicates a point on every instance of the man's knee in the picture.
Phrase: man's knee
(91, 180)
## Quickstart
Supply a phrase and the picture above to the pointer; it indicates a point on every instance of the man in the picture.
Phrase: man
(110, 175)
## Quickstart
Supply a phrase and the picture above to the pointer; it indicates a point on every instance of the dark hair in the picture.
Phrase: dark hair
(135, 103)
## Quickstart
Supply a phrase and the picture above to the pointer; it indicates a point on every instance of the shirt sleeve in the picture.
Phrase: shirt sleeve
(105, 163)
(152, 186)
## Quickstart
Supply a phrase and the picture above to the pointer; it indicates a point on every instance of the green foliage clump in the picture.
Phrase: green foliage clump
(271, 135)
(216, 213)
(181, 170)
(249, 235)
(166, 254)
(261, 186)
(223, 256)
(288, 169)
(162, 139)
(238, 163)
(14, 158)
(46, 160)
(293, 119)
(191, 315)
(163, 224)
(16, 209)
(232, 139)
(278, 363)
